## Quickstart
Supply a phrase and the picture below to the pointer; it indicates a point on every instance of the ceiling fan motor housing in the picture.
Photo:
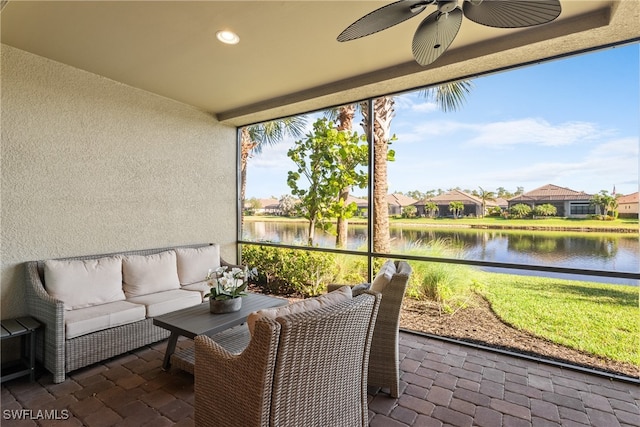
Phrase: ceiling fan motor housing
(446, 6)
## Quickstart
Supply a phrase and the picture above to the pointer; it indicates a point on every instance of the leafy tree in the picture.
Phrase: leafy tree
(604, 202)
(456, 208)
(416, 194)
(287, 205)
(409, 211)
(485, 196)
(252, 205)
(545, 210)
(503, 193)
(448, 96)
(520, 210)
(322, 159)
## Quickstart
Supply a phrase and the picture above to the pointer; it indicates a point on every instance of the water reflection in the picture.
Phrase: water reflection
(594, 251)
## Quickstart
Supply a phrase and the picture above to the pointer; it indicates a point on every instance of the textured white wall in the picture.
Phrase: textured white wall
(92, 166)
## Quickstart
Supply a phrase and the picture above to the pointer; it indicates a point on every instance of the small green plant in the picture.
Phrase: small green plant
(450, 285)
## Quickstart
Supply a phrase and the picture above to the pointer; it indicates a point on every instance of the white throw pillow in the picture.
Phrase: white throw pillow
(195, 263)
(147, 274)
(83, 283)
(326, 300)
(383, 278)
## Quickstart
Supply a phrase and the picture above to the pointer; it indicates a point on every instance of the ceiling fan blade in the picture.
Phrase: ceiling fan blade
(435, 34)
(383, 18)
(511, 13)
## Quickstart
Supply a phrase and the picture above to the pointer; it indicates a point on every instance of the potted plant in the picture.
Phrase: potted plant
(227, 288)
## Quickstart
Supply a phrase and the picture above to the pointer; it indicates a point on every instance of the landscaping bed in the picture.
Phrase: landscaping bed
(478, 324)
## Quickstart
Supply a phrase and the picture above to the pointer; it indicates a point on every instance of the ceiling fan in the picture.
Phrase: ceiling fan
(437, 31)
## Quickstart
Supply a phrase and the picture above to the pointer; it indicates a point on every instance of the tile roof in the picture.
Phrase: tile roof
(455, 196)
(400, 199)
(629, 198)
(551, 192)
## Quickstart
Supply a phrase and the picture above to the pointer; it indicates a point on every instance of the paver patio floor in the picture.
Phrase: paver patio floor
(443, 384)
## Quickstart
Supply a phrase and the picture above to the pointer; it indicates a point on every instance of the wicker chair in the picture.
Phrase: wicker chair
(304, 369)
(384, 367)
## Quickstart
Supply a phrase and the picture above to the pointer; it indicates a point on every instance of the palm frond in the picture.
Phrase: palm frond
(449, 96)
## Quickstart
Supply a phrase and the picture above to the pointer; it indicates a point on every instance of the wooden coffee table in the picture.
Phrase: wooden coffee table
(197, 320)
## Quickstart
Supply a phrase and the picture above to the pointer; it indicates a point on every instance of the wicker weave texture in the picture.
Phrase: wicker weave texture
(234, 340)
(384, 368)
(304, 369)
(60, 355)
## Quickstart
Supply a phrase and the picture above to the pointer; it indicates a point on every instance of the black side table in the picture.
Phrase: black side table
(23, 327)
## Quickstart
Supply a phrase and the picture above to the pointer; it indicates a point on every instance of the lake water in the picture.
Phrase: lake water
(592, 251)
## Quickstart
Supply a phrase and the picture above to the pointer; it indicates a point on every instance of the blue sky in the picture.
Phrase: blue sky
(573, 122)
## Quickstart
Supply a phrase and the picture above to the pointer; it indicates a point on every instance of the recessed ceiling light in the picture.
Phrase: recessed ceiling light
(227, 37)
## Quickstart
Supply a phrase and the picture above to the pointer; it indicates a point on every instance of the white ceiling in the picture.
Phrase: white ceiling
(288, 60)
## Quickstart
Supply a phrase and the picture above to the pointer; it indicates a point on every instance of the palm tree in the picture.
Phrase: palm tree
(254, 137)
(448, 96)
(431, 209)
(486, 196)
(604, 201)
(456, 209)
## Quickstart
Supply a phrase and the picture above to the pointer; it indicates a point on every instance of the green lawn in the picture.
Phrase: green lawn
(600, 319)
(549, 223)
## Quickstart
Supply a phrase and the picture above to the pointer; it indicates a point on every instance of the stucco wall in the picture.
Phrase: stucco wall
(92, 166)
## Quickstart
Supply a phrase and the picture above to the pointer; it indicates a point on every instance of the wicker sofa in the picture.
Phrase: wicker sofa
(99, 306)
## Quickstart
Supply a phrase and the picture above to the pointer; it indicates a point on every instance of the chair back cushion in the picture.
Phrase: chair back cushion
(326, 300)
(383, 278)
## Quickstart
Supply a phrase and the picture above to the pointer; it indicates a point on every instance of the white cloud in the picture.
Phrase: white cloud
(506, 134)
(614, 161)
(425, 107)
(273, 157)
(533, 131)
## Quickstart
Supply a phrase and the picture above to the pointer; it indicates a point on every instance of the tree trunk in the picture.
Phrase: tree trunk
(246, 146)
(345, 122)
(383, 114)
(342, 224)
(312, 232)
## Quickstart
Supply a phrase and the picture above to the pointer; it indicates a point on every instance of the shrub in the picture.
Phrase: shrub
(494, 211)
(520, 210)
(450, 285)
(545, 210)
(409, 211)
(290, 271)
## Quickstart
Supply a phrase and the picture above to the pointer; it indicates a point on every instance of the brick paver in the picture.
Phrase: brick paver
(442, 383)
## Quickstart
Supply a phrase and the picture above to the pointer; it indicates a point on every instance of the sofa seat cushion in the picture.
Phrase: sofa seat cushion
(148, 274)
(194, 263)
(168, 301)
(98, 317)
(202, 287)
(83, 283)
(326, 300)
